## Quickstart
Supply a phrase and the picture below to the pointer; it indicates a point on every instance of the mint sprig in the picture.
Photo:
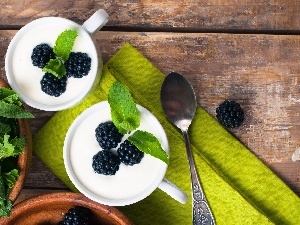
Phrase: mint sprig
(126, 118)
(62, 49)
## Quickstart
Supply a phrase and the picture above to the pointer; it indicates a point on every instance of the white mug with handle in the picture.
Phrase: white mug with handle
(25, 78)
(130, 184)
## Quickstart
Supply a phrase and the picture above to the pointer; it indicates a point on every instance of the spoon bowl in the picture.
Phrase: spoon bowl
(179, 104)
(178, 100)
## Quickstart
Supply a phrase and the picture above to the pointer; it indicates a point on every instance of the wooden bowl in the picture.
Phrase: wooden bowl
(49, 209)
(24, 159)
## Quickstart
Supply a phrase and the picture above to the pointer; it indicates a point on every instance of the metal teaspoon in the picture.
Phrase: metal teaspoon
(179, 104)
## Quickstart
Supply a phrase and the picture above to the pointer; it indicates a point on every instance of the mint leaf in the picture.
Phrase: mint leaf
(10, 179)
(64, 44)
(4, 128)
(10, 105)
(149, 144)
(9, 96)
(11, 147)
(5, 92)
(13, 111)
(9, 126)
(5, 203)
(12, 99)
(124, 112)
(55, 67)
(19, 144)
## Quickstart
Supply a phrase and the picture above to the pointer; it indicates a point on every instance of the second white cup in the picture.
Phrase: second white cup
(130, 184)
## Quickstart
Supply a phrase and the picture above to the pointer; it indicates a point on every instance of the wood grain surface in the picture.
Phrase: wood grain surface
(188, 15)
(247, 51)
(261, 72)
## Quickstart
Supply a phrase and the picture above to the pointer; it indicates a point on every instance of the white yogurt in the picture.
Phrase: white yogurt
(25, 78)
(130, 183)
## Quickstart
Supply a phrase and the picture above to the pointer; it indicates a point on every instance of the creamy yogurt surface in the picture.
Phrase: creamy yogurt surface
(26, 78)
(130, 183)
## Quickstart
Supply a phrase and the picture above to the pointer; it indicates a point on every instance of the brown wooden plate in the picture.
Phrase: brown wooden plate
(49, 209)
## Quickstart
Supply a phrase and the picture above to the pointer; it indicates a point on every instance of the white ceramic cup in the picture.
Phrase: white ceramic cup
(25, 78)
(130, 184)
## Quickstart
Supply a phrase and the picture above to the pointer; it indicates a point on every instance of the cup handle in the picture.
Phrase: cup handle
(96, 21)
(172, 190)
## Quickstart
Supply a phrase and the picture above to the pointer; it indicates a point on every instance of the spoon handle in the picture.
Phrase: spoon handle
(201, 211)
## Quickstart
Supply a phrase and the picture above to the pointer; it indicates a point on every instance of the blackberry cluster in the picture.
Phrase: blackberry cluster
(129, 154)
(52, 85)
(41, 55)
(78, 65)
(76, 216)
(105, 162)
(230, 114)
(107, 135)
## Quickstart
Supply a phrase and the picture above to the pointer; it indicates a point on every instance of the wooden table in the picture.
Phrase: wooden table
(247, 51)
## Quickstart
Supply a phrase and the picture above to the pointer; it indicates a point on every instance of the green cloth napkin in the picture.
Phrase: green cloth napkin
(239, 187)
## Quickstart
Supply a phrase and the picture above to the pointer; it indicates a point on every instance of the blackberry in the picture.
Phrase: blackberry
(107, 135)
(105, 162)
(230, 114)
(41, 54)
(129, 154)
(52, 85)
(78, 65)
(76, 216)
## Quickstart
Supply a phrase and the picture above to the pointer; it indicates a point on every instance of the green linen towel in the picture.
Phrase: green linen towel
(239, 187)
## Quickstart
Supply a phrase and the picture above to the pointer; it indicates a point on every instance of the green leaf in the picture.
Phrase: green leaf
(13, 99)
(5, 92)
(10, 179)
(9, 96)
(149, 144)
(19, 144)
(55, 67)
(64, 44)
(124, 112)
(5, 207)
(13, 111)
(4, 128)
(11, 147)
(5, 203)
(11, 105)
(9, 126)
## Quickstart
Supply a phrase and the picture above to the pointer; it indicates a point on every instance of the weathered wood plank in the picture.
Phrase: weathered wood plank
(40, 176)
(30, 193)
(262, 72)
(244, 15)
